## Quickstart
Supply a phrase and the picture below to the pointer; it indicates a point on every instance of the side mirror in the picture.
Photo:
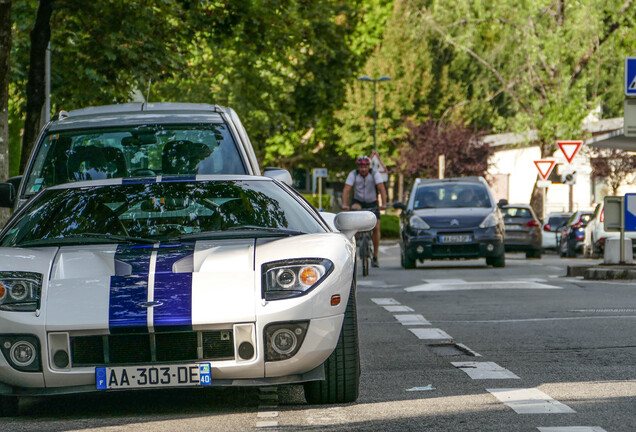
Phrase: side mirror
(7, 195)
(546, 228)
(399, 205)
(349, 223)
(502, 202)
(279, 174)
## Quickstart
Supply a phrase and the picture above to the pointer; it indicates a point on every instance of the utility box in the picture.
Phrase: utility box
(612, 253)
(613, 209)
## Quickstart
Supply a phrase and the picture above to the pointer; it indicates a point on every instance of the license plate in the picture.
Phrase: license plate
(128, 377)
(456, 238)
(513, 227)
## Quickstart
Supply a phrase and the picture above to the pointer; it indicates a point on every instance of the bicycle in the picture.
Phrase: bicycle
(364, 251)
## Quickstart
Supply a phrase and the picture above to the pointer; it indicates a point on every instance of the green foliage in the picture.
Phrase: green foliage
(389, 226)
(313, 200)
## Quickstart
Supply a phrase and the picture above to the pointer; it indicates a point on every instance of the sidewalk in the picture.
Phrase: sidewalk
(602, 272)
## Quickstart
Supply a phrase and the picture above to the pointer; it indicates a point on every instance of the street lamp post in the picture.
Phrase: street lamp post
(375, 113)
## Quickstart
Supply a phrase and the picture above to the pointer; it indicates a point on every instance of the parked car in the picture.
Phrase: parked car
(137, 140)
(523, 230)
(451, 218)
(596, 236)
(151, 283)
(551, 229)
(572, 234)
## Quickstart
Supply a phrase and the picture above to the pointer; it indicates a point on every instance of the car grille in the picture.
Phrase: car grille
(122, 349)
(448, 251)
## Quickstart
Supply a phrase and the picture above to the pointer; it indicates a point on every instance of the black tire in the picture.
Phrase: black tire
(365, 266)
(9, 406)
(535, 253)
(408, 263)
(498, 261)
(570, 252)
(342, 368)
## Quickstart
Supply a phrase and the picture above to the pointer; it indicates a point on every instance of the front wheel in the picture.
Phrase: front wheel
(342, 368)
(407, 262)
(498, 261)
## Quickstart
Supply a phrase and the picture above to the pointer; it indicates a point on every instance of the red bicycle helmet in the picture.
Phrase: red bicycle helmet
(363, 160)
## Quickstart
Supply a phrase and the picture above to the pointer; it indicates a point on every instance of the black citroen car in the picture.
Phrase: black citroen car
(454, 218)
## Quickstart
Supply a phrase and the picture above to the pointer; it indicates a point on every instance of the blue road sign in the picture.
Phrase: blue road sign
(630, 212)
(630, 76)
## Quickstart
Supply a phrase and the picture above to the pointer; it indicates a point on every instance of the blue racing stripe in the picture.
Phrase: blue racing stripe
(174, 290)
(127, 292)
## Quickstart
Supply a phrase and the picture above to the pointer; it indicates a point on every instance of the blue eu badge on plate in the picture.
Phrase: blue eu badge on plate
(204, 374)
(100, 378)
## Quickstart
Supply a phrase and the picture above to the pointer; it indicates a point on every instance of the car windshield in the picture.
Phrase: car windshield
(176, 210)
(557, 221)
(133, 151)
(516, 212)
(451, 195)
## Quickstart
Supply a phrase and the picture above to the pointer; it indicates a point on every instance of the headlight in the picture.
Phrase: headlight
(417, 222)
(490, 221)
(20, 291)
(293, 278)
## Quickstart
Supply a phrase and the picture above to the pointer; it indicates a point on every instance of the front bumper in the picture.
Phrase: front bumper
(306, 365)
(427, 244)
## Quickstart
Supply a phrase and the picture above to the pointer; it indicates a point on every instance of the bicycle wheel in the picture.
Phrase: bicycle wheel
(364, 254)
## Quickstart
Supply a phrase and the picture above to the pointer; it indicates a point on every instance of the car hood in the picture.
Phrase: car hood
(445, 218)
(137, 287)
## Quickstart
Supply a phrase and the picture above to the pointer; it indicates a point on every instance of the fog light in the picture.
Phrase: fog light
(60, 359)
(246, 351)
(284, 341)
(420, 249)
(490, 247)
(22, 353)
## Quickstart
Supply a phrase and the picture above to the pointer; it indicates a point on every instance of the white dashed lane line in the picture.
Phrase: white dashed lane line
(385, 301)
(267, 416)
(484, 370)
(571, 429)
(530, 401)
(398, 308)
(430, 334)
(411, 319)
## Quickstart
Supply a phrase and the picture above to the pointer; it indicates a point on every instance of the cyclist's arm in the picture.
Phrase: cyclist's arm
(345, 197)
(382, 191)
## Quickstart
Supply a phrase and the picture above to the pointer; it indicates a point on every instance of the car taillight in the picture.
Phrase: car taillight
(533, 223)
(577, 225)
(603, 215)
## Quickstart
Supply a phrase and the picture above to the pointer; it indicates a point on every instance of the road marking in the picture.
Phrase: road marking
(267, 414)
(332, 416)
(465, 348)
(385, 301)
(398, 309)
(267, 424)
(268, 397)
(484, 370)
(430, 333)
(529, 401)
(411, 319)
(572, 429)
(603, 317)
(509, 284)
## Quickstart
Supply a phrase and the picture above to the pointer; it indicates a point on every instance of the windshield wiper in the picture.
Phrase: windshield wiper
(240, 231)
(85, 238)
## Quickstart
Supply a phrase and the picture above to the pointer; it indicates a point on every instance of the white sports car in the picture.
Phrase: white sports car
(164, 282)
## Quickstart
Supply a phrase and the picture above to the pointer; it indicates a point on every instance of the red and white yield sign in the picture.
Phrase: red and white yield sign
(570, 148)
(545, 167)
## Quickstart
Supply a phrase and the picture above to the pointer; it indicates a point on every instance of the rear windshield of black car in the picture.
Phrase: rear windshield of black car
(451, 196)
(516, 212)
(133, 151)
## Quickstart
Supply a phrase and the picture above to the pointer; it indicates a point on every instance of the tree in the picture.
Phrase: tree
(5, 55)
(615, 166)
(463, 148)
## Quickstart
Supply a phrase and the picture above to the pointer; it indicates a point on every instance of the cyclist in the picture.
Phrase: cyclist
(366, 185)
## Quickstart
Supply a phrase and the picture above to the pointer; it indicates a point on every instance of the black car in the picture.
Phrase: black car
(451, 218)
(572, 235)
(523, 230)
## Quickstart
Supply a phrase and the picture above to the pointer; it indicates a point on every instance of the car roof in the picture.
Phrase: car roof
(136, 113)
(526, 206)
(471, 179)
(160, 179)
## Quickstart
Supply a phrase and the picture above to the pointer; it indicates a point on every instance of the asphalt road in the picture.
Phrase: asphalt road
(449, 346)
